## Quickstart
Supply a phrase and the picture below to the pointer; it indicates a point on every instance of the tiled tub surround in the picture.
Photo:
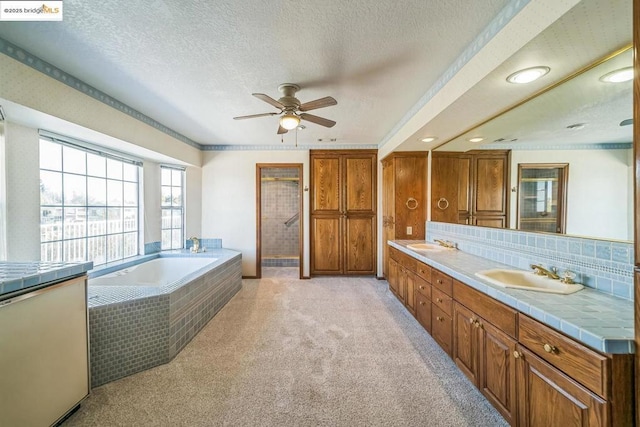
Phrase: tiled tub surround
(601, 321)
(603, 265)
(136, 328)
(20, 277)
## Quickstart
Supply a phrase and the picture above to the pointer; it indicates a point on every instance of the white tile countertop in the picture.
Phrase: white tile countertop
(598, 320)
(19, 277)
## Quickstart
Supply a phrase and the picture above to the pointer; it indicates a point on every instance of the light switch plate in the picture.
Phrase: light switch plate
(409, 231)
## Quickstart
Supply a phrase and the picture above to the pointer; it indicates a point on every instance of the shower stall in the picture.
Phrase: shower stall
(280, 216)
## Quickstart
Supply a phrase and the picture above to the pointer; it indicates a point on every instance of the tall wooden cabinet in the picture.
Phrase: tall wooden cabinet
(471, 187)
(404, 197)
(343, 212)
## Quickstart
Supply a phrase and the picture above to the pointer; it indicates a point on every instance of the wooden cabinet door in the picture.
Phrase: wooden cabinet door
(359, 184)
(423, 311)
(325, 172)
(465, 342)
(444, 189)
(410, 294)
(496, 369)
(441, 325)
(465, 179)
(393, 275)
(490, 185)
(360, 244)
(547, 397)
(410, 191)
(388, 219)
(327, 253)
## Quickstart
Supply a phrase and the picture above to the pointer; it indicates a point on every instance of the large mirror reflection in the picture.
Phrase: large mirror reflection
(584, 124)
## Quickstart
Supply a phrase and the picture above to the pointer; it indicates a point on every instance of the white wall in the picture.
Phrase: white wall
(193, 203)
(600, 190)
(229, 199)
(23, 192)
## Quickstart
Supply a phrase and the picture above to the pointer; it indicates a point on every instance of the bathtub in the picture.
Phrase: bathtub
(155, 273)
(144, 314)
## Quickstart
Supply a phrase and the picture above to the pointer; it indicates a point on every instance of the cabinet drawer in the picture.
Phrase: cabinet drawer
(423, 311)
(423, 287)
(441, 328)
(394, 254)
(408, 262)
(505, 318)
(577, 361)
(424, 271)
(441, 281)
(441, 300)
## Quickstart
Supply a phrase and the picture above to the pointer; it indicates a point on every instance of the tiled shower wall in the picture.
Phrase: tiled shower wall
(600, 264)
(280, 226)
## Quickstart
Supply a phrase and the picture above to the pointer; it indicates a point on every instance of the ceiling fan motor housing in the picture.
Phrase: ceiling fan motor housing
(289, 100)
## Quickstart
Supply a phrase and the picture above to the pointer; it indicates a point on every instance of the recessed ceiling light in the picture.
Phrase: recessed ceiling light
(428, 139)
(618, 76)
(528, 75)
(476, 139)
(576, 126)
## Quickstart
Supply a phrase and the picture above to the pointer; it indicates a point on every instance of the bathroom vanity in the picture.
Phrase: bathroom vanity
(531, 372)
(44, 357)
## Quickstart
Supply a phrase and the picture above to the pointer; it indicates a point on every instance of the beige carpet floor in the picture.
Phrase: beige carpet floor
(286, 352)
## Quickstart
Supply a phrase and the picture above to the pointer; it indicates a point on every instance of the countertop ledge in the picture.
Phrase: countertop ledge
(19, 277)
(600, 321)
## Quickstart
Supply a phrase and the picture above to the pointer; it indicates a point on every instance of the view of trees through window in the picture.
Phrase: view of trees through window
(172, 183)
(89, 205)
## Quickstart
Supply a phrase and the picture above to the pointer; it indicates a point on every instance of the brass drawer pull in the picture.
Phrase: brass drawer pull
(439, 281)
(422, 303)
(550, 348)
(438, 299)
(517, 354)
(421, 287)
(472, 320)
(439, 318)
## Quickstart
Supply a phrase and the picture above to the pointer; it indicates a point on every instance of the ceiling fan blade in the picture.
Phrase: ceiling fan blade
(252, 116)
(281, 130)
(317, 120)
(268, 100)
(318, 103)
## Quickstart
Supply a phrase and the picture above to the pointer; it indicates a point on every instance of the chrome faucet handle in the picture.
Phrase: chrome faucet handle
(567, 277)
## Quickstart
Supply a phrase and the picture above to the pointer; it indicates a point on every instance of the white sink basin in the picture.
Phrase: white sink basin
(527, 280)
(426, 247)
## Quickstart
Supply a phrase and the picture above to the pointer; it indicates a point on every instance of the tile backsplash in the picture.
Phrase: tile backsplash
(600, 264)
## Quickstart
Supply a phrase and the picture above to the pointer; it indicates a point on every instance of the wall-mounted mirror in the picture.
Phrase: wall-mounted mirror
(584, 122)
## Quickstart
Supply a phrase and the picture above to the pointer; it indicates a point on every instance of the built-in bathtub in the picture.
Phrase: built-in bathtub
(143, 314)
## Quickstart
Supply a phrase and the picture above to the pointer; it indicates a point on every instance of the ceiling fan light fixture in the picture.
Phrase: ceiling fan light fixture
(618, 76)
(289, 121)
(528, 75)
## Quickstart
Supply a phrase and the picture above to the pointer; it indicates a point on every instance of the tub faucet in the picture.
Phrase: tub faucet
(196, 244)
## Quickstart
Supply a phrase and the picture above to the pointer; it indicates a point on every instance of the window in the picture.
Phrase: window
(172, 184)
(89, 204)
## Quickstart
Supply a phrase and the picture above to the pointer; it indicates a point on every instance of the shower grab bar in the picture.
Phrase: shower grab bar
(292, 219)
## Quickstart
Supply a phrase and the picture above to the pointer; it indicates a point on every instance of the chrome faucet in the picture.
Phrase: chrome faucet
(196, 244)
(541, 271)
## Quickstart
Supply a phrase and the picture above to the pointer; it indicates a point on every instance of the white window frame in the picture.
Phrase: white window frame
(118, 237)
(171, 225)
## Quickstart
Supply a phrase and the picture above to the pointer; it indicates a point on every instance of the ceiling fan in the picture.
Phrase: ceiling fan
(291, 110)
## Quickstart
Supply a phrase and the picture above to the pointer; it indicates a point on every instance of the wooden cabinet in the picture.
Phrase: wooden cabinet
(483, 351)
(343, 212)
(531, 373)
(587, 388)
(548, 397)
(404, 190)
(471, 187)
(402, 278)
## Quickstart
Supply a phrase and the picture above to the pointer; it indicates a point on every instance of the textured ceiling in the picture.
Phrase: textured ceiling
(192, 66)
